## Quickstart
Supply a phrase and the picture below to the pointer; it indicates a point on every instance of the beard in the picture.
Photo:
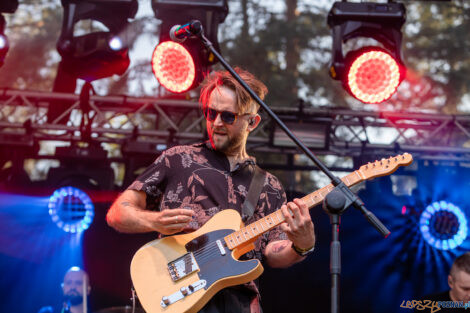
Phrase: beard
(226, 143)
(73, 297)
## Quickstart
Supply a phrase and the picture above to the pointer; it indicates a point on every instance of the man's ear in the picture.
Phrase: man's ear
(450, 281)
(253, 122)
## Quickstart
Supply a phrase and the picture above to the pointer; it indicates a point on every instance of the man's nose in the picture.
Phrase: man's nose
(218, 120)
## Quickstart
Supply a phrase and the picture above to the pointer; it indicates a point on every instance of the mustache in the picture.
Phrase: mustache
(220, 129)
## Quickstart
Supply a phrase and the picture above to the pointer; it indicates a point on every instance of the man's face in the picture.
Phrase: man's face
(459, 284)
(226, 138)
(73, 286)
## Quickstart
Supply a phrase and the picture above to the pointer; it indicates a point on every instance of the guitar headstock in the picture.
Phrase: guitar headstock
(385, 166)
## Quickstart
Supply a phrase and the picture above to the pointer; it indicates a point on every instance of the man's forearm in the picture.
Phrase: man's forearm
(279, 254)
(127, 218)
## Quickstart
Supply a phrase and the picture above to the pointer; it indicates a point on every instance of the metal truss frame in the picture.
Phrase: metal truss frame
(141, 127)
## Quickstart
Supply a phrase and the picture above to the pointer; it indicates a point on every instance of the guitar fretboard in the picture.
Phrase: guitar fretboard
(250, 232)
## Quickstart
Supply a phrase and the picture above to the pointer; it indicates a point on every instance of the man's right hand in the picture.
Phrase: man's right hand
(171, 221)
(128, 215)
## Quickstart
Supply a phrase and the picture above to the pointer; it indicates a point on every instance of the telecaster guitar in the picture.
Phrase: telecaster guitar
(181, 273)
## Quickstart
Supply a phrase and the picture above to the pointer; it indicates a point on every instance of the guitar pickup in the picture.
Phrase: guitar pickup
(182, 266)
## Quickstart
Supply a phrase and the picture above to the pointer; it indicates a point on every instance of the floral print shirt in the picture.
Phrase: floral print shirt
(198, 177)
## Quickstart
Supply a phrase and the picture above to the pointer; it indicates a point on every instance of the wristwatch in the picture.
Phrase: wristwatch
(302, 252)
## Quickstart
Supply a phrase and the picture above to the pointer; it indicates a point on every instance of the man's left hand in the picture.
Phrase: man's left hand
(298, 225)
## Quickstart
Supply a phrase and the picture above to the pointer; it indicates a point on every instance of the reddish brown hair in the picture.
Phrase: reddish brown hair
(245, 103)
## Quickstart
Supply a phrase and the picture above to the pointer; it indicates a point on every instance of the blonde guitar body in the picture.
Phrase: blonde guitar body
(151, 276)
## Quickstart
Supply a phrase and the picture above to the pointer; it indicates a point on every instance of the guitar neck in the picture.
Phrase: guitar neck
(252, 231)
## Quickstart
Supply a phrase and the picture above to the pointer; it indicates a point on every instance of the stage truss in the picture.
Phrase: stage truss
(133, 129)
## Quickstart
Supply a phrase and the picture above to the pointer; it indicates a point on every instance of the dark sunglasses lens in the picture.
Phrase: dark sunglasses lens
(210, 114)
(227, 117)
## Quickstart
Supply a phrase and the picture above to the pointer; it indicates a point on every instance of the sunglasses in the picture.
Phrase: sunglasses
(226, 116)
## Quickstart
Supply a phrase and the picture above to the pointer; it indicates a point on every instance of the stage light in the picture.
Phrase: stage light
(95, 55)
(3, 41)
(6, 6)
(115, 43)
(443, 225)
(370, 73)
(181, 67)
(4, 46)
(71, 209)
(173, 66)
(373, 76)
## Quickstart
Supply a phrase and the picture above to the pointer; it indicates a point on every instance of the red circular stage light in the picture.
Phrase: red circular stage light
(373, 76)
(173, 66)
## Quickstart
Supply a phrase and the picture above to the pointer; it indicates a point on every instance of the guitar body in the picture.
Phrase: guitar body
(151, 273)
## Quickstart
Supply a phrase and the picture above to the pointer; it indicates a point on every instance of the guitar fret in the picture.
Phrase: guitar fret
(233, 239)
(274, 214)
(280, 216)
(269, 218)
(261, 225)
(237, 238)
(312, 200)
(241, 232)
(245, 231)
(358, 175)
(247, 228)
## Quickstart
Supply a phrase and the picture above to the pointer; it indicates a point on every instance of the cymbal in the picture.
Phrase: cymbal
(120, 309)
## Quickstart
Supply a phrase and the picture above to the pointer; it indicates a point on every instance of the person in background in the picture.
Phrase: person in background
(75, 291)
(459, 283)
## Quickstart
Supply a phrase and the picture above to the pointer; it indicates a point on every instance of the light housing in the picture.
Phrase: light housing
(381, 22)
(210, 14)
(91, 56)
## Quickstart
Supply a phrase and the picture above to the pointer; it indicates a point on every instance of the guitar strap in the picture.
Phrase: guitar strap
(253, 194)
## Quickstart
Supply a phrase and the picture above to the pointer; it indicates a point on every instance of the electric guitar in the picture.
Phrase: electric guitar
(181, 273)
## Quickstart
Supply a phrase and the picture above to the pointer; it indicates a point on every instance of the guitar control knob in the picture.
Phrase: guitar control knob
(184, 291)
(166, 300)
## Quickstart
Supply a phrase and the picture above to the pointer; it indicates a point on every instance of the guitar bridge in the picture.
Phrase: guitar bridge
(182, 267)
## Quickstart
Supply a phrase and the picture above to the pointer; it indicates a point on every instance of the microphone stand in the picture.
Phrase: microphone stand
(335, 203)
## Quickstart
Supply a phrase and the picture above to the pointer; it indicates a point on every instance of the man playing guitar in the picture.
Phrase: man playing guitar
(187, 185)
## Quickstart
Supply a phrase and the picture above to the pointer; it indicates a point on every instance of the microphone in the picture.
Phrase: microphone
(179, 33)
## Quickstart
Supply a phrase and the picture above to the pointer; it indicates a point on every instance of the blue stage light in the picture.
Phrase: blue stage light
(443, 225)
(71, 209)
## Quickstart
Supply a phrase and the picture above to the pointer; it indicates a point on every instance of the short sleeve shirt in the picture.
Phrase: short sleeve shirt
(198, 177)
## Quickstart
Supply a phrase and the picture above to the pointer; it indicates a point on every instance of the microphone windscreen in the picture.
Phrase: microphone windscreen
(173, 36)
